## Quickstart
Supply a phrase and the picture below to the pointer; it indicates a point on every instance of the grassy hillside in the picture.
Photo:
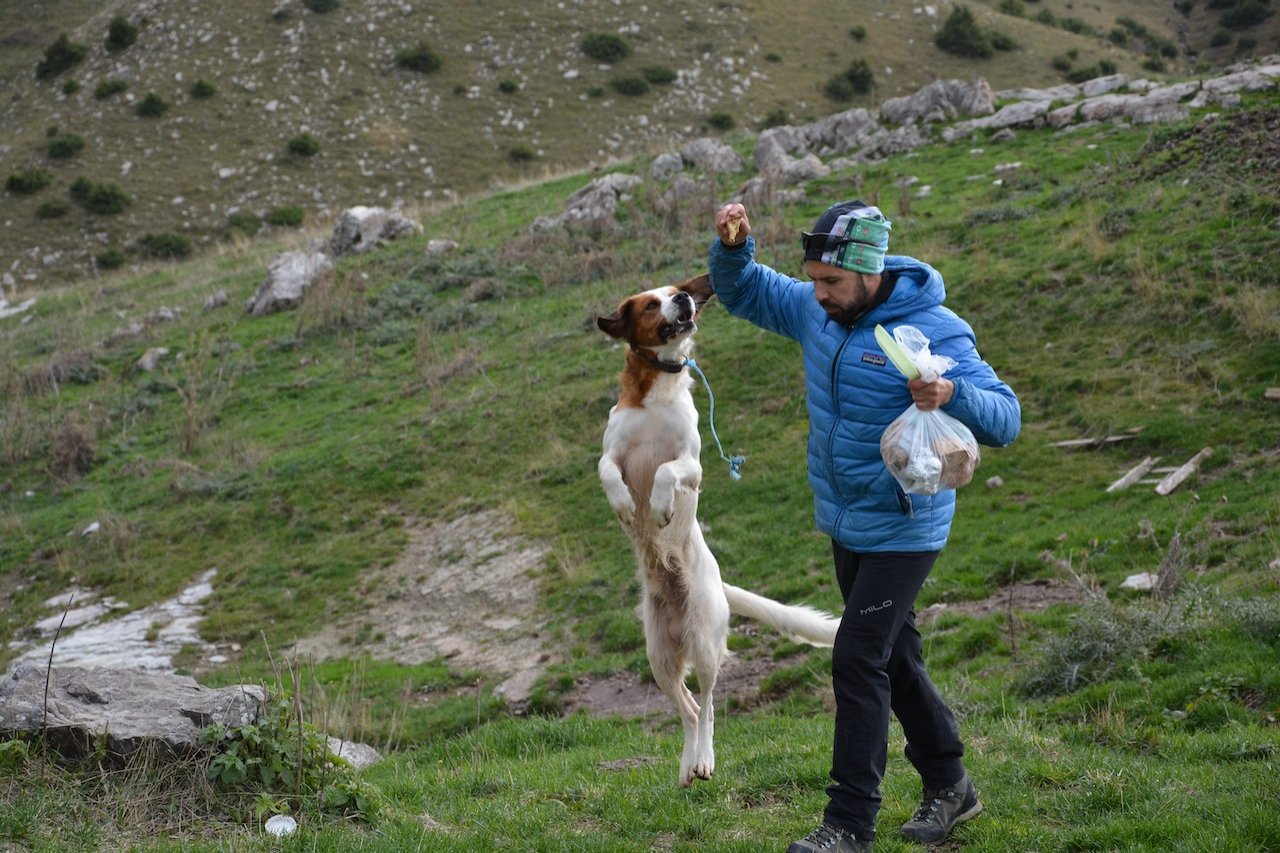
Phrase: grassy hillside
(1121, 279)
(514, 99)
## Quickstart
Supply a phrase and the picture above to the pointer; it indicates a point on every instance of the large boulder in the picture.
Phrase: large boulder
(289, 276)
(942, 100)
(593, 208)
(126, 707)
(711, 156)
(360, 229)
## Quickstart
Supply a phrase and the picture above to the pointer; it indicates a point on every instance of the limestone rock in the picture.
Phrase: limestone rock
(289, 276)
(942, 100)
(360, 229)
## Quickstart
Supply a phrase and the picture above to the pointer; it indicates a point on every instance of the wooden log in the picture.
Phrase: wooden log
(1168, 484)
(1091, 442)
(1136, 473)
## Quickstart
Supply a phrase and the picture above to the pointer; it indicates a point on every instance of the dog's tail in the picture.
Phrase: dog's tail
(797, 621)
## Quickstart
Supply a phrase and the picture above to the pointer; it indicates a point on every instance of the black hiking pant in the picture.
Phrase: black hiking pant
(876, 666)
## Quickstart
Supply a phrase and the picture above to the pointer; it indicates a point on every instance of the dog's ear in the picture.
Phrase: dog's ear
(699, 287)
(617, 324)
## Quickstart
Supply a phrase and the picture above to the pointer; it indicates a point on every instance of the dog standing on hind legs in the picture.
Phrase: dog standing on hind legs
(651, 475)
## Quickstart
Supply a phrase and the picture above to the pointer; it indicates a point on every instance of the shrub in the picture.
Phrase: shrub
(1013, 8)
(54, 208)
(287, 216)
(508, 87)
(152, 106)
(775, 118)
(70, 87)
(659, 75)
(605, 47)
(521, 153)
(1077, 26)
(1221, 38)
(202, 89)
(244, 222)
(120, 34)
(59, 56)
(164, 246)
(630, 86)
(1060, 63)
(420, 58)
(1245, 14)
(772, 57)
(1044, 16)
(105, 198)
(1246, 44)
(858, 33)
(109, 259)
(857, 79)
(107, 88)
(304, 145)
(721, 121)
(64, 146)
(28, 181)
(1184, 6)
(320, 7)
(961, 35)
(1000, 41)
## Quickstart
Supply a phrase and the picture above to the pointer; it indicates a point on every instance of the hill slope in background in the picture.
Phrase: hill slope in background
(514, 98)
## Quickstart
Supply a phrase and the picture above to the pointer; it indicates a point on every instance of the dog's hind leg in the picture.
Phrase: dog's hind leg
(707, 663)
(667, 662)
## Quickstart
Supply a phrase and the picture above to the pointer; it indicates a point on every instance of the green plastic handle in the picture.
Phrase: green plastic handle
(896, 354)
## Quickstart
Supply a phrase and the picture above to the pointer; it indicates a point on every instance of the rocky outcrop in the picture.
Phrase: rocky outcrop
(943, 100)
(593, 207)
(711, 156)
(360, 229)
(289, 276)
(127, 708)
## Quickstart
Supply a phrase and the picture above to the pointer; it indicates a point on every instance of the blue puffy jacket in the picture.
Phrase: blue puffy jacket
(853, 393)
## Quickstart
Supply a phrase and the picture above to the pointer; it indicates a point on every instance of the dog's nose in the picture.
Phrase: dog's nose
(684, 303)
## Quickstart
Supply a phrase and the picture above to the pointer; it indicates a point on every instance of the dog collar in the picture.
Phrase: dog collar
(652, 358)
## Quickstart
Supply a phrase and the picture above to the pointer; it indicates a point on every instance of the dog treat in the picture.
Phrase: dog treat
(732, 226)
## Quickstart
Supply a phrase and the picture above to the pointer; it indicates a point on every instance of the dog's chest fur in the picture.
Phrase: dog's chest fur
(663, 428)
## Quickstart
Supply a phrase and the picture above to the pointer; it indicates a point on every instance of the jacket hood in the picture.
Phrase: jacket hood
(919, 288)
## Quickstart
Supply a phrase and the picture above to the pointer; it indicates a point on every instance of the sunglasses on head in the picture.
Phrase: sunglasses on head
(822, 242)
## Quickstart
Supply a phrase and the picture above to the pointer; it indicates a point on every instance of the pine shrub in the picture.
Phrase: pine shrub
(60, 56)
(107, 88)
(165, 246)
(630, 86)
(961, 35)
(64, 146)
(304, 145)
(420, 58)
(28, 181)
(288, 216)
(152, 106)
(120, 34)
(605, 47)
(202, 89)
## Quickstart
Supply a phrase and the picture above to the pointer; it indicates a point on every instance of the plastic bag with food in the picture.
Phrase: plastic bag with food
(924, 451)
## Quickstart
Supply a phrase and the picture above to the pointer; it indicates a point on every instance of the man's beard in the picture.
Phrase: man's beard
(848, 315)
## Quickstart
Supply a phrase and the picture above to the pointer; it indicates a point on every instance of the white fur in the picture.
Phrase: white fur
(651, 476)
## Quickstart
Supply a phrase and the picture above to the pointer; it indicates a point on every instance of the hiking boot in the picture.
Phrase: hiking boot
(941, 809)
(829, 839)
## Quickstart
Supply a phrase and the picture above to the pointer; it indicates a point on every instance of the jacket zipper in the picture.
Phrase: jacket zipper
(835, 411)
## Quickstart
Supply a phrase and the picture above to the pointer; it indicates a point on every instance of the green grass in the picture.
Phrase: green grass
(1120, 279)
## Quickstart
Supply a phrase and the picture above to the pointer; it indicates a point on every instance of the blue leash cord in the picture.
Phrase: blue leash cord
(735, 462)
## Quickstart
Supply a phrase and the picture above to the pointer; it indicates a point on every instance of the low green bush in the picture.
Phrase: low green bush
(420, 58)
(286, 216)
(1245, 14)
(70, 87)
(53, 208)
(121, 34)
(102, 198)
(64, 146)
(164, 246)
(605, 47)
(60, 56)
(521, 153)
(304, 145)
(109, 259)
(630, 86)
(508, 87)
(857, 79)
(202, 89)
(961, 35)
(107, 88)
(321, 7)
(659, 75)
(28, 181)
(152, 106)
(721, 121)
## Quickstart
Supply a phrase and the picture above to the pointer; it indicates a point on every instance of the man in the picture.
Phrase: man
(884, 541)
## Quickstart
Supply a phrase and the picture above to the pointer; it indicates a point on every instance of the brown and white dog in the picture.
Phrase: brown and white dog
(651, 474)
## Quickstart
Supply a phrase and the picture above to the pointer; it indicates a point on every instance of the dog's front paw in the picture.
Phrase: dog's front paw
(626, 512)
(662, 506)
